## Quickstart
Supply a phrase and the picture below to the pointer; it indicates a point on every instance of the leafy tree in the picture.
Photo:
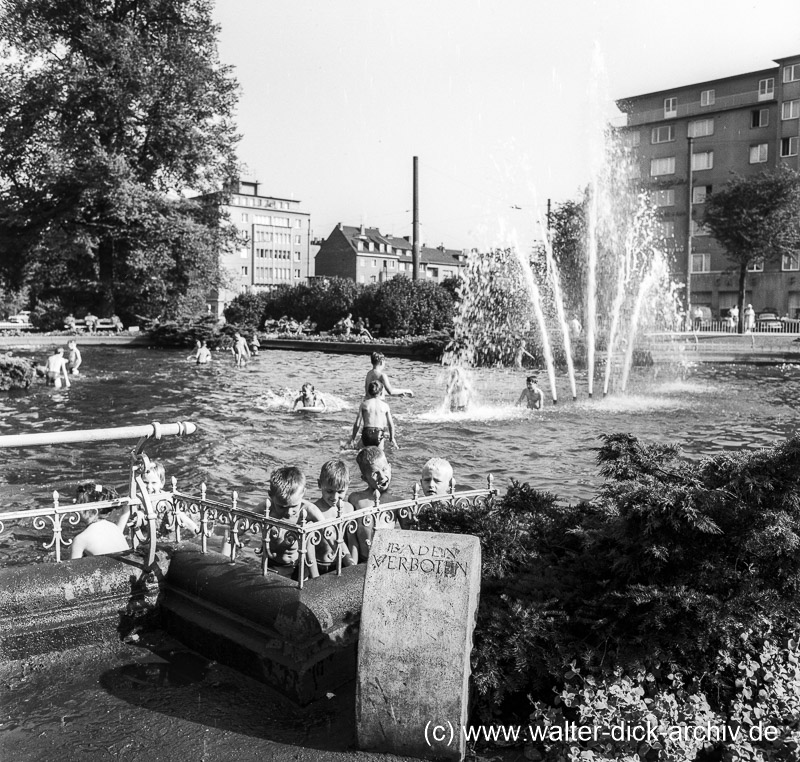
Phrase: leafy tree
(110, 111)
(756, 219)
(407, 307)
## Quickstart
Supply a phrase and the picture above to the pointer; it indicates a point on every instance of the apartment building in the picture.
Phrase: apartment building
(687, 141)
(275, 247)
(366, 255)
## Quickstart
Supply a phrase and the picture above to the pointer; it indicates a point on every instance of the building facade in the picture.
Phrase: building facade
(686, 142)
(275, 244)
(366, 255)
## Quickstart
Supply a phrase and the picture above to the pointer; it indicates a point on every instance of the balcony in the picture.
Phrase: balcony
(684, 110)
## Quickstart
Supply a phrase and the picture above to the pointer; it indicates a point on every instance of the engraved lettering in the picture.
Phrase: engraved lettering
(427, 569)
(377, 561)
(392, 565)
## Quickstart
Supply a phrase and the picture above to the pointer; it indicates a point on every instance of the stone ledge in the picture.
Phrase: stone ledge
(300, 642)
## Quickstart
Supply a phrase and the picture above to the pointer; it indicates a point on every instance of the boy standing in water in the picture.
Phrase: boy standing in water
(74, 358)
(241, 352)
(378, 373)
(374, 413)
(532, 394)
(56, 369)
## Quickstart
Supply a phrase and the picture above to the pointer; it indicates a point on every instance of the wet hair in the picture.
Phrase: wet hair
(310, 388)
(335, 473)
(374, 388)
(92, 492)
(377, 358)
(438, 463)
(367, 456)
(285, 481)
(530, 380)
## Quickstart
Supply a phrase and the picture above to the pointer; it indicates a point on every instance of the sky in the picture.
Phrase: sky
(502, 101)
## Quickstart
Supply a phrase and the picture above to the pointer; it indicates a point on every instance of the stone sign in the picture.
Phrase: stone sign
(420, 602)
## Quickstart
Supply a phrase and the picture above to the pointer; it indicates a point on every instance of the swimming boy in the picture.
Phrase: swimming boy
(309, 398)
(101, 536)
(56, 369)
(377, 473)
(378, 373)
(334, 479)
(532, 394)
(241, 352)
(376, 417)
(437, 477)
(286, 488)
(74, 358)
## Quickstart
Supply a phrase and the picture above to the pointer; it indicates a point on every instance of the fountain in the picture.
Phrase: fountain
(623, 264)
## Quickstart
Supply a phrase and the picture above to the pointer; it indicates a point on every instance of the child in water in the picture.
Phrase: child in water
(531, 394)
(309, 398)
(101, 536)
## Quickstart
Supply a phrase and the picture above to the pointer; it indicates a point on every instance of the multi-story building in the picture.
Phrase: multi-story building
(275, 244)
(687, 141)
(366, 255)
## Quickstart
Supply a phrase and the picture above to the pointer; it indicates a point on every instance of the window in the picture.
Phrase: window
(361, 278)
(244, 217)
(374, 262)
(297, 256)
(789, 146)
(791, 73)
(665, 134)
(766, 89)
(297, 273)
(755, 267)
(707, 98)
(701, 263)
(759, 117)
(373, 278)
(790, 262)
(791, 109)
(670, 107)
(666, 229)
(631, 139)
(699, 193)
(392, 264)
(244, 270)
(702, 160)
(664, 197)
(759, 153)
(701, 128)
(664, 166)
(298, 239)
(698, 228)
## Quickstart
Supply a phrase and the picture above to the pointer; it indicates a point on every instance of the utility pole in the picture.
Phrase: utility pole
(689, 192)
(415, 246)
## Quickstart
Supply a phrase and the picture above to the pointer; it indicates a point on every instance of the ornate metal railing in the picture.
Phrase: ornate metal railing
(306, 535)
(144, 514)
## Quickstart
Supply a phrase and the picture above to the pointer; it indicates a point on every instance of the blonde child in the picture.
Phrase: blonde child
(334, 479)
(309, 398)
(437, 477)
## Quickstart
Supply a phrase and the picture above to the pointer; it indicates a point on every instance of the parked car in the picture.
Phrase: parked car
(768, 322)
(23, 318)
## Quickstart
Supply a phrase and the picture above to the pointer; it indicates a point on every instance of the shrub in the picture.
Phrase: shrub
(405, 307)
(48, 315)
(248, 310)
(15, 373)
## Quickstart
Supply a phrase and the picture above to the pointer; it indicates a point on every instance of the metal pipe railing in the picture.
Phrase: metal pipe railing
(155, 430)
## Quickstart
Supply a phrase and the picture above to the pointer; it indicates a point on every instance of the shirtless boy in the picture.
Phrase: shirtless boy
(378, 373)
(101, 536)
(377, 473)
(437, 477)
(286, 488)
(334, 479)
(241, 352)
(531, 394)
(74, 358)
(376, 417)
(56, 369)
(308, 397)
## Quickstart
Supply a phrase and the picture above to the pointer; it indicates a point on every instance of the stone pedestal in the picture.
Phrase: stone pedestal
(420, 602)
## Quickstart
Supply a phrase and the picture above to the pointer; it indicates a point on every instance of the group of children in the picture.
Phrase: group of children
(286, 502)
(57, 368)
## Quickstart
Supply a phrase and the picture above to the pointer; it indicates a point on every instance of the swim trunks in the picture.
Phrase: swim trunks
(371, 436)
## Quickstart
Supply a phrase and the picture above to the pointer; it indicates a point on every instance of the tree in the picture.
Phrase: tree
(756, 219)
(110, 112)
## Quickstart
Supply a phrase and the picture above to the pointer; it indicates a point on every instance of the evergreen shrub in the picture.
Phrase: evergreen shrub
(15, 372)
(677, 568)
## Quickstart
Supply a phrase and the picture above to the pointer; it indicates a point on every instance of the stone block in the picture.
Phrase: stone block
(418, 614)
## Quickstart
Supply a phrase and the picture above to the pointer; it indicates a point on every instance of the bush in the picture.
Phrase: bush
(248, 310)
(48, 315)
(15, 373)
(186, 332)
(669, 566)
(405, 307)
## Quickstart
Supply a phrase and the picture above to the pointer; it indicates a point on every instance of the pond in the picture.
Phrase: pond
(246, 426)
